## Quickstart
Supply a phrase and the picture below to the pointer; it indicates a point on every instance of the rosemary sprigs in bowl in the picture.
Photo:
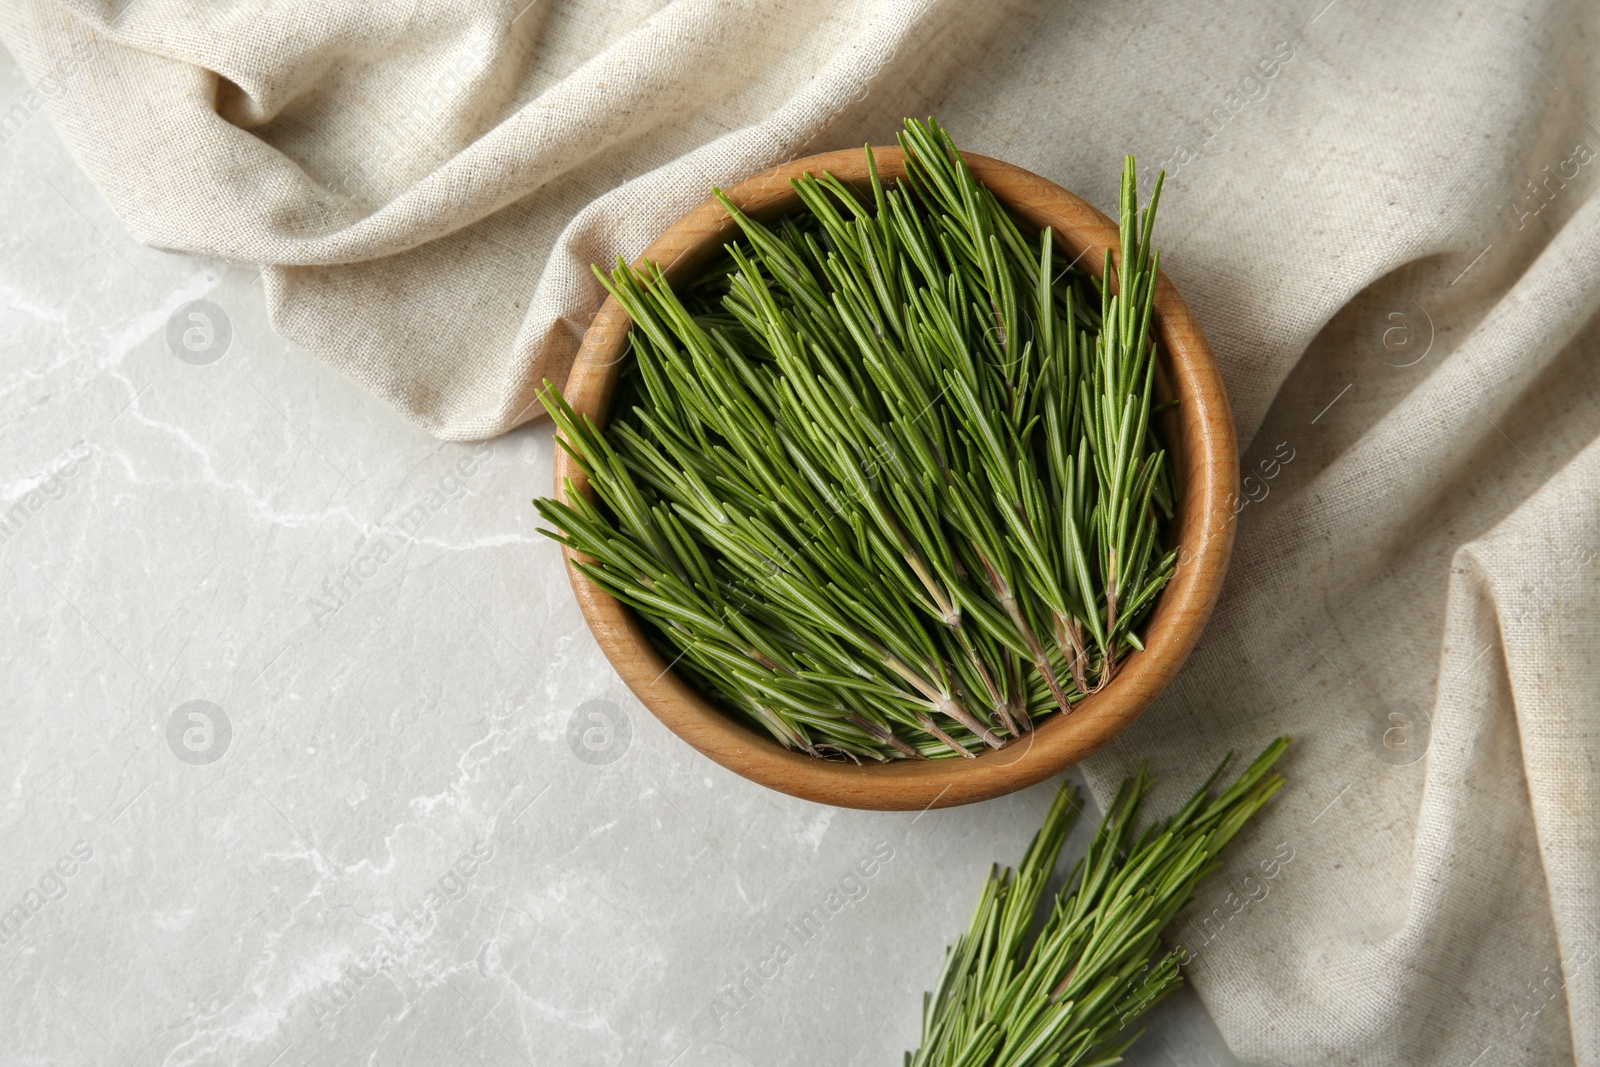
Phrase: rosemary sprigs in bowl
(882, 474)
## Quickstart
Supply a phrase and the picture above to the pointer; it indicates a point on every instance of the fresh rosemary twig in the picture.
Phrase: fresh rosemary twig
(1066, 996)
(884, 479)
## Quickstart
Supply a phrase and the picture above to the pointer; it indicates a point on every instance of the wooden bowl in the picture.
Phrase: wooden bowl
(1201, 441)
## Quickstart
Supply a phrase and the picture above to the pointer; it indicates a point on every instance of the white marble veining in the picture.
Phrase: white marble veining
(311, 760)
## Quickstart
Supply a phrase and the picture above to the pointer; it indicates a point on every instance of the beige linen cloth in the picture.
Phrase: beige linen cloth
(1383, 214)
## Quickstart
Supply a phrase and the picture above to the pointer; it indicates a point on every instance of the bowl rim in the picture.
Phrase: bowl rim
(1206, 455)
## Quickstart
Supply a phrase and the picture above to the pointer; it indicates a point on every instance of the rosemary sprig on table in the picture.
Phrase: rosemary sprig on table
(1067, 996)
(884, 477)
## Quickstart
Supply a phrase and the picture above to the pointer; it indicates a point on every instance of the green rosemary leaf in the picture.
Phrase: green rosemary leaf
(1068, 996)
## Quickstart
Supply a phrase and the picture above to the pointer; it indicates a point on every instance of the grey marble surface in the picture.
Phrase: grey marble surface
(302, 762)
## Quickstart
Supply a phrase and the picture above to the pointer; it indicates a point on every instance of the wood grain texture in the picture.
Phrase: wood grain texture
(1200, 436)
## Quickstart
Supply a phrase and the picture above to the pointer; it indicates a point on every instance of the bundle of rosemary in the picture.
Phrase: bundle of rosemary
(1067, 995)
(884, 478)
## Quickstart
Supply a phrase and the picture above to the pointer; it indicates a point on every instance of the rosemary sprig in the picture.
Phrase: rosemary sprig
(1066, 996)
(884, 478)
